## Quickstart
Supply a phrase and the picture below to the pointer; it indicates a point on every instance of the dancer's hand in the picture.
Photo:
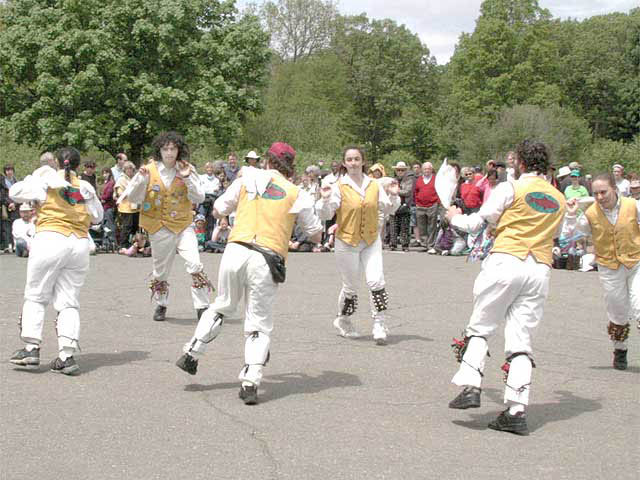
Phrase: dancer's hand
(184, 168)
(452, 212)
(393, 188)
(144, 171)
(572, 207)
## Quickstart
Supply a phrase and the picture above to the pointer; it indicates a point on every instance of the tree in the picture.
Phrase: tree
(388, 70)
(113, 73)
(300, 28)
(509, 59)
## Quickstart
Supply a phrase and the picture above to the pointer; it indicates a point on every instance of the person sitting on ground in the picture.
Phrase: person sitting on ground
(219, 237)
(23, 230)
(139, 248)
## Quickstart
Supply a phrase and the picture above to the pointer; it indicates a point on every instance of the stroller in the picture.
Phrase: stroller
(102, 237)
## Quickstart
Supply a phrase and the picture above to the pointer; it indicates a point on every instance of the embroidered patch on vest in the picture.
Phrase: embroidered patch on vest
(542, 202)
(71, 195)
(146, 206)
(274, 192)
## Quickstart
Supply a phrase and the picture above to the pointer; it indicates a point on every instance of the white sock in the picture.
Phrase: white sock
(516, 408)
(66, 352)
(29, 347)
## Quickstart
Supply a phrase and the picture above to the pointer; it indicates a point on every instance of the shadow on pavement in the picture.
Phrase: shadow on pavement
(609, 367)
(567, 407)
(394, 339)
(275, 387)
(93, 361)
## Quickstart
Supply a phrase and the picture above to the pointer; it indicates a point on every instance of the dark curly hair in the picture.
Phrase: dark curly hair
(69, 159)
(170, 137)
(534, 156)
(285, 164)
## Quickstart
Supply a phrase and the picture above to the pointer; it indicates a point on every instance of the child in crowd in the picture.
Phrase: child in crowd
(23, 230)
(200, 227)
(219, 237)
(140, 246)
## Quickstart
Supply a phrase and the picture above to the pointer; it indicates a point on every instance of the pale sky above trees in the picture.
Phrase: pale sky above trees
(439, 23)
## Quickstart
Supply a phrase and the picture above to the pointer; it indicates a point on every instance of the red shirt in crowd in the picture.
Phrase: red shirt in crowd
(471, 195)
(425, 193)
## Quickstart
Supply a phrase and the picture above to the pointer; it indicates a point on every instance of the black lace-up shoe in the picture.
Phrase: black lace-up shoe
(511, 423)
(249, 394)
(187, 363)
(25, 358)
(469, 397)
(620, 359)
(200, 311)
(66, 367)
(160, 314)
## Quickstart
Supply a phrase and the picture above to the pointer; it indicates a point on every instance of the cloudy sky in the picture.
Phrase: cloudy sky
(440, 22)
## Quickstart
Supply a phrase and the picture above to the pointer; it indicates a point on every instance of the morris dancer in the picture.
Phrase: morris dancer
(166, 187)
(513, 284)
(358, 199)
(612, 221)
(252, 265)
(58, 258)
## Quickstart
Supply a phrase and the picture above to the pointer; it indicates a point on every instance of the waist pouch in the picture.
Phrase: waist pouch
(274, 261)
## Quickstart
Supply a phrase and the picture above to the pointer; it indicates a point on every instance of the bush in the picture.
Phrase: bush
(604, 153)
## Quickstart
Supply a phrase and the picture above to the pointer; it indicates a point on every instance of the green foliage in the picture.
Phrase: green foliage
(111, 73)
(563, 132)
(604, 153)
(388, 71)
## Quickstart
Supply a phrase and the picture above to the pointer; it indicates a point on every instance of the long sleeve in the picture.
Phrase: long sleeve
(501, 199)
(307, 219)
(228, 201)
(195, 190)
(32, 188)
(326, 208)
(387, 204)
(137, 189)
(92, 202)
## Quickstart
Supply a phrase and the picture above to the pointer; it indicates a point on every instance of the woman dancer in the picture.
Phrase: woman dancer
(357, 199)
(58, 260)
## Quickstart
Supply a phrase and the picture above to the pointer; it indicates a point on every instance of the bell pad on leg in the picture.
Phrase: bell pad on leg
(618, 333)
(380, 299)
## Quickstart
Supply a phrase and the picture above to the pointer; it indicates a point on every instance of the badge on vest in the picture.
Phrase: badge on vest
(274, 192)
(156, 188)
(146, 206)
(542, 202)
(71, 195)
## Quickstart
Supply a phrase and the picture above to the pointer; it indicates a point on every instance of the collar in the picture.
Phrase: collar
(346, 180)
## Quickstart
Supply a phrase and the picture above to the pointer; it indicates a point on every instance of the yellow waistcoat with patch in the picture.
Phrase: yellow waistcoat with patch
(266, 220)
(616, 244)
(64, 211)
(165, 207)
(529, 224)
(126, 206)
(357, 217)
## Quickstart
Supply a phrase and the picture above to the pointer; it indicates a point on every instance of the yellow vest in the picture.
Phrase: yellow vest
(64, 211)
(616, 244)
(266, 220)
(164, 207)
(358, 217)
(125, 206)
(529, 224)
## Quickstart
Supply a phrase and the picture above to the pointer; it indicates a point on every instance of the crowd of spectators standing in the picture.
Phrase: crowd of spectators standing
(418, 223)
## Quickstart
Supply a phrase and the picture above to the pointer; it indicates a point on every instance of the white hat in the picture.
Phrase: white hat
(25, 207)
(400, 165)
(564, 171)
(253, 155)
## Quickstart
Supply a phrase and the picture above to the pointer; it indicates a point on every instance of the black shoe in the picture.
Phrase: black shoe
(160, 314)
(187, 363)
(469, 397)
(392, 247)
(511, 423)
(249, 394)
(25, 358)
(620, 359)
(67, 367)
(200, 311)
(405, 249)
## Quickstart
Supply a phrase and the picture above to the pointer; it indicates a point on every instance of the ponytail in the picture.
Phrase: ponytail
(69, 158)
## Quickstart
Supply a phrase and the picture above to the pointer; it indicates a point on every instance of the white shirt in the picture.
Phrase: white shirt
(210, 184)
(23, 230)
(137, 188)
(387, 204)
(116, 172)
(501, 198)
(582, 225)
(624, 187)
(34, 189)
(255, 182)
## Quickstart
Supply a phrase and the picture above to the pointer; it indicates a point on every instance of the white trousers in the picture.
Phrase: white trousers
(514, 291)
(243, 273)
(352, 261)
(621, 295)
(164, 246)
(56, 271)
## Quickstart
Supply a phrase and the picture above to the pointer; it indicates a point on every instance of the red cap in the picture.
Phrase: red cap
(280, 148)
